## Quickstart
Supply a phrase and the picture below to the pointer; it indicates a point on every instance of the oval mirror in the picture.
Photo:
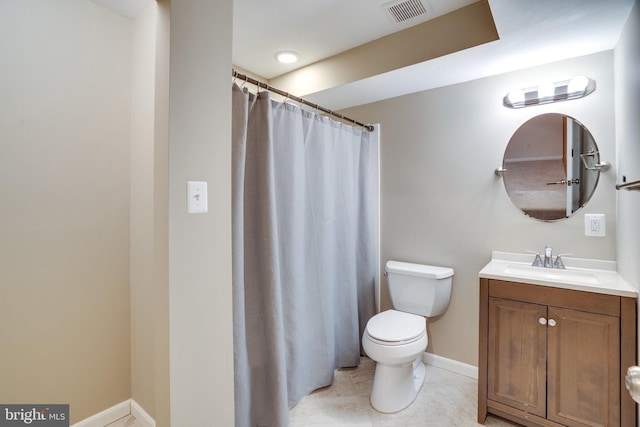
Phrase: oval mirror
(549, 167)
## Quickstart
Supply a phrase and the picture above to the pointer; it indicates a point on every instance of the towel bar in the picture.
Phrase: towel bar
(631, 186)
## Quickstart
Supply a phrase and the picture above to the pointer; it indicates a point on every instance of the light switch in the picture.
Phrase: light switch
(197, 197)
(595, 225)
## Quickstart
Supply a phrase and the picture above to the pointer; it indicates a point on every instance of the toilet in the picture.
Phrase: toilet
(396, 339)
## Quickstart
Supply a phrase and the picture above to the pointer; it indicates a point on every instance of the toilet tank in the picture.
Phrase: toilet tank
(419, 289)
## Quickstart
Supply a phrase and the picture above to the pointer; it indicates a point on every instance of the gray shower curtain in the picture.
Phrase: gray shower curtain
(304, 252)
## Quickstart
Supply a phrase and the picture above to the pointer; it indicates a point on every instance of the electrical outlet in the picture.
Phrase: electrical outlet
(595, 225)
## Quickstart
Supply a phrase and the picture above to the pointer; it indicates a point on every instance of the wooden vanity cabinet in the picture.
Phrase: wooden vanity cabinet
(555, 357)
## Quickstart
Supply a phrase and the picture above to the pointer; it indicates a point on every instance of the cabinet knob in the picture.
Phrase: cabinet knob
(552, 322)
(542, 321)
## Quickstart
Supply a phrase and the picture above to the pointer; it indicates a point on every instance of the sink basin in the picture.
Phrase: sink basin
(552, 274)
(598, 276)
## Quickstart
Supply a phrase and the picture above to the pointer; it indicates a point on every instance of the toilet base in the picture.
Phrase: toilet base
(396, 386)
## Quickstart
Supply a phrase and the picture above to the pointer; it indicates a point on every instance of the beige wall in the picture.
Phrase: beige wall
(627, 66)
(160, 297)
(149, 213)
(85, 186)
(142, 213)
(441, 202)
(64, 212)
(201, 343)
(148, 313)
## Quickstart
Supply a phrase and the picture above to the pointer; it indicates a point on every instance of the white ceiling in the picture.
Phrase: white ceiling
(314, 29)
(532, 32)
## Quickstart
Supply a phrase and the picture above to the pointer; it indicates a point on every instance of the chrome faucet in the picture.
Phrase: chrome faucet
(558, 262)
(548, 257)
(537, 262)
(548, 261)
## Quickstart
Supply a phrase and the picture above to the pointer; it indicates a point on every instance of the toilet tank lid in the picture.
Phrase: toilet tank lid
(421, 270)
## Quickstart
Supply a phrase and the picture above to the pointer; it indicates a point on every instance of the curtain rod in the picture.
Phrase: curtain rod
(300, 100)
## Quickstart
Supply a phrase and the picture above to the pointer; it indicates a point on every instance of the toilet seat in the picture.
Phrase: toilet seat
(393, 343)
(394, 327)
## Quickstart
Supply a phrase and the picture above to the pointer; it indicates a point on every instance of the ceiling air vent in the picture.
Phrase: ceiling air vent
(404, 10)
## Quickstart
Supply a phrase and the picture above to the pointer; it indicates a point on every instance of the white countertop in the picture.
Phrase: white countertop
(581, 274)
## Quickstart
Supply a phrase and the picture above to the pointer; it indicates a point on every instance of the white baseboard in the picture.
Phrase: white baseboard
(450, 365)
(109, 415)
(144, 419)
(121, 410)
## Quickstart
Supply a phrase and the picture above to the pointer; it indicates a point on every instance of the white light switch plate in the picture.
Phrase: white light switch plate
(595, 225)
(197, 197)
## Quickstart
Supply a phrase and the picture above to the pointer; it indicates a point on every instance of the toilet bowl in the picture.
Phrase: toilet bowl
(396, 339)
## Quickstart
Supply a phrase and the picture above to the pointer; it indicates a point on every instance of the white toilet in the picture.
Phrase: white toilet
(396, 339)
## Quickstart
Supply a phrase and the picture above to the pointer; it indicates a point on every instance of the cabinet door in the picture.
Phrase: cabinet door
(584, 368)
(517, 355)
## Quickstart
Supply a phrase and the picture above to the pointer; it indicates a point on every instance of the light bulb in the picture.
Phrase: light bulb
(578, 84)
(546, 90)
(516, 96)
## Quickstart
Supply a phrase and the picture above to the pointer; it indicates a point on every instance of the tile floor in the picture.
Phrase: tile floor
(446, 399)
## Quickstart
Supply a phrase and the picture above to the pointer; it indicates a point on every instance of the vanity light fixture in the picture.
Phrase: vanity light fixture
(545, 93)
(286, 57)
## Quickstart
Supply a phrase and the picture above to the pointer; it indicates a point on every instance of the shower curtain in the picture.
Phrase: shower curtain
(305, 220)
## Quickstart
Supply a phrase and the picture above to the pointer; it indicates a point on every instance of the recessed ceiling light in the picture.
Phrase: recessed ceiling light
(286, 57)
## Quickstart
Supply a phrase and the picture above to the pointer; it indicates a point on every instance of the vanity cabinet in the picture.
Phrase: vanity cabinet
(555, 357)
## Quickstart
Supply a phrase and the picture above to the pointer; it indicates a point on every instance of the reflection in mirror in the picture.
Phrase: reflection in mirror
(545, 175)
